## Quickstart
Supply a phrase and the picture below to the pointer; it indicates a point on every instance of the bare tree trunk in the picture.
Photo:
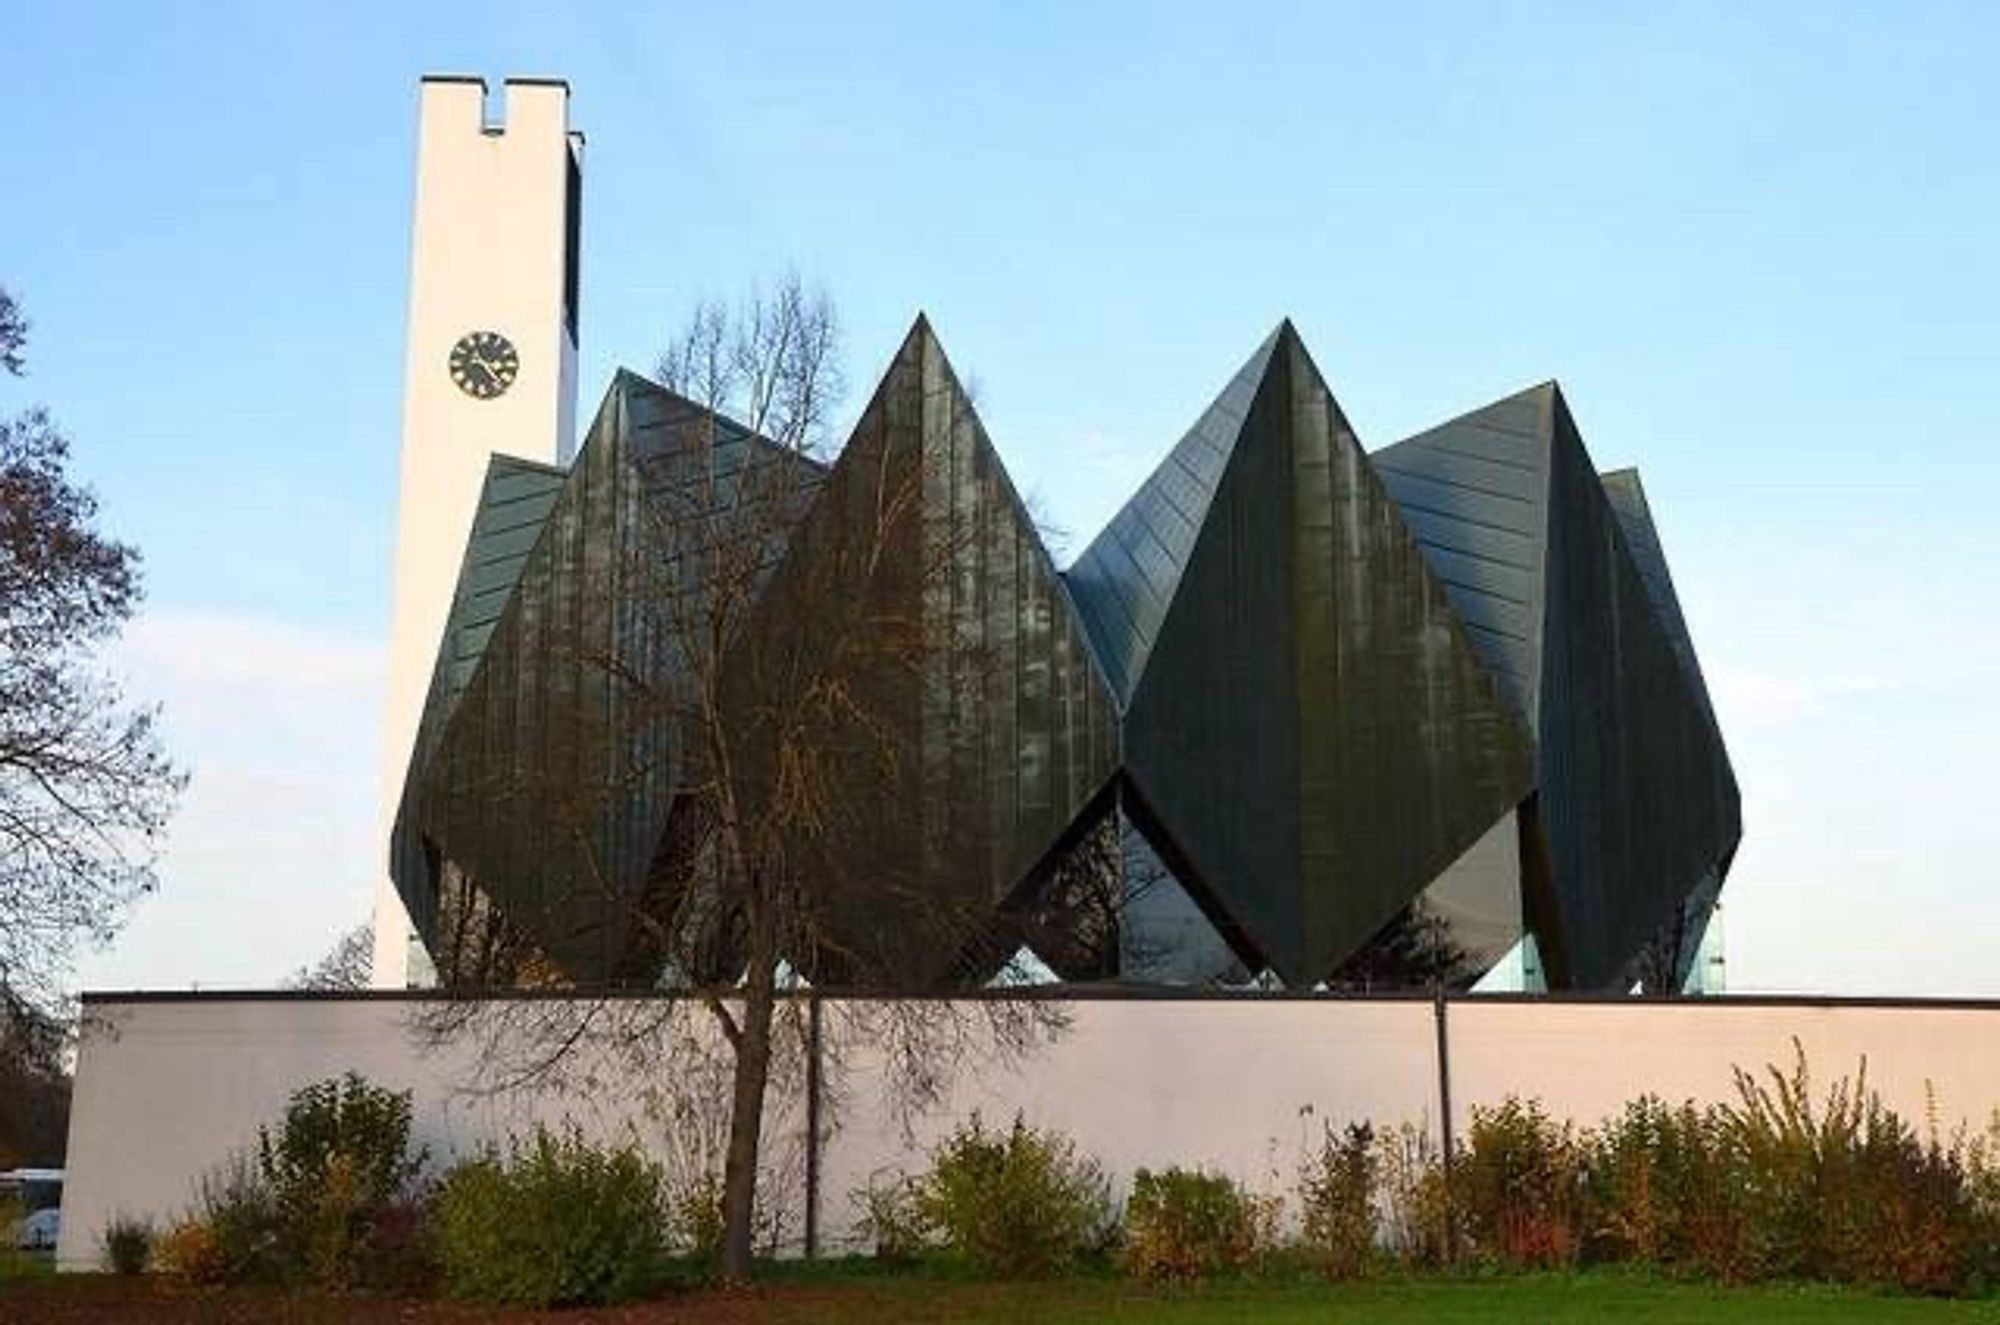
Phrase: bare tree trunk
(746, 1114)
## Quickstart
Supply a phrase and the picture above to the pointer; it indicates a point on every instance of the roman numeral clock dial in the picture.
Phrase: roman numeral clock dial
(484, 364)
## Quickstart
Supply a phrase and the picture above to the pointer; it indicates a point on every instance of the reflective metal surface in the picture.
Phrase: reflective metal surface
(1361, 720)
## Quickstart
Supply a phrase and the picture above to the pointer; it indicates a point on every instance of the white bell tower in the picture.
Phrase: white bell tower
(493, 266)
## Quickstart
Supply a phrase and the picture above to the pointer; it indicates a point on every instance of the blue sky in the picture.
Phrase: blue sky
(1754, 243)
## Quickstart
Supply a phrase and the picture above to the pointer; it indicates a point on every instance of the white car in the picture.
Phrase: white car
(38, 1231)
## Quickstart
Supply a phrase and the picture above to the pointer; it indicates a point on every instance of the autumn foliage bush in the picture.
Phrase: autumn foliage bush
(328, 1198)
(1340, 1188)
(337, 1162)
(1781, 1182)
(1778, 1183)
(1187, 1223)
(1664, 1188)
(1519, 1185)
(1844, 1189)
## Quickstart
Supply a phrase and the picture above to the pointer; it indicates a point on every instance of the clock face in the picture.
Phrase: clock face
(484, 364)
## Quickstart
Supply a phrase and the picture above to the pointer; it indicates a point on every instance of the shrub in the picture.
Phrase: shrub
(694, 1217)
(1663, 1187)
(1845, 1190)
(1982, 1191)
(1337, 1188)
(243, 1224)
(127, 1243)
(893, 1219)
(401, 1256)
(557, 1222)
(1018, 1204)
(189, 1249)
(1187, 1224)
(327, 1198)
(1416, 1201)
(339, 1158)
(1519, 1184)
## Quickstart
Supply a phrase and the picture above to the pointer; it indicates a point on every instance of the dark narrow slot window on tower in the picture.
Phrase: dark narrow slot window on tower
(572, 235)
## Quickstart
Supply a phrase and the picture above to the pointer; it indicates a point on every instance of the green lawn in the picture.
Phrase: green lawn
(852, 1295)
(1552, 1298)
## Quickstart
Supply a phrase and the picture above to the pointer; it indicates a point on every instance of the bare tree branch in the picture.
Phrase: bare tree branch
(349, 964)
(774, 622)
(85, 786)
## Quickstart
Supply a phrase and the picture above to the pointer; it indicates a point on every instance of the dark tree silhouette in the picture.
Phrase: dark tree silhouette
(1415, 950)
(348, 964)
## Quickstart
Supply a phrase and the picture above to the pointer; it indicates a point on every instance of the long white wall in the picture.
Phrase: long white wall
(167, 1087)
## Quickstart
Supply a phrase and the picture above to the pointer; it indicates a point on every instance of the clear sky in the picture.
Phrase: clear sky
(1755, 243)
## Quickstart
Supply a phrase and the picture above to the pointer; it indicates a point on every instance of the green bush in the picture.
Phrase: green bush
(1337, 1189)
(1187, 1224)
(1519, 1184)
(328, 1198)
(244, 1228)
(1663, 1187)
(555, 1223)
(339, 1158)
(128, 1242)
(1018, 1204)
(1781, 1183)
(1845, 1190)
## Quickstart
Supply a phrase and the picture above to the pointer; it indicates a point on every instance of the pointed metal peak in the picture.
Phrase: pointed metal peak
(625, 384)
(921, 333)
(1259, 363)
(1288, 335)
(1128, 574)
(1558, 403)
(921, 342)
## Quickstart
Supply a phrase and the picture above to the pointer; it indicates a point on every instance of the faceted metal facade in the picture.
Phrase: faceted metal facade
(1310, 738)
(540, 789)
(1560, 580)
(1297, 710)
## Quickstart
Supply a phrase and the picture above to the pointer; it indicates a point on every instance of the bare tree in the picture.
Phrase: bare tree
(772, 635)
(348, 964)
(85, 786)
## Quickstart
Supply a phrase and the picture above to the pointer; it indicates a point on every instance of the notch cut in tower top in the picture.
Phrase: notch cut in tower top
(494, 117)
